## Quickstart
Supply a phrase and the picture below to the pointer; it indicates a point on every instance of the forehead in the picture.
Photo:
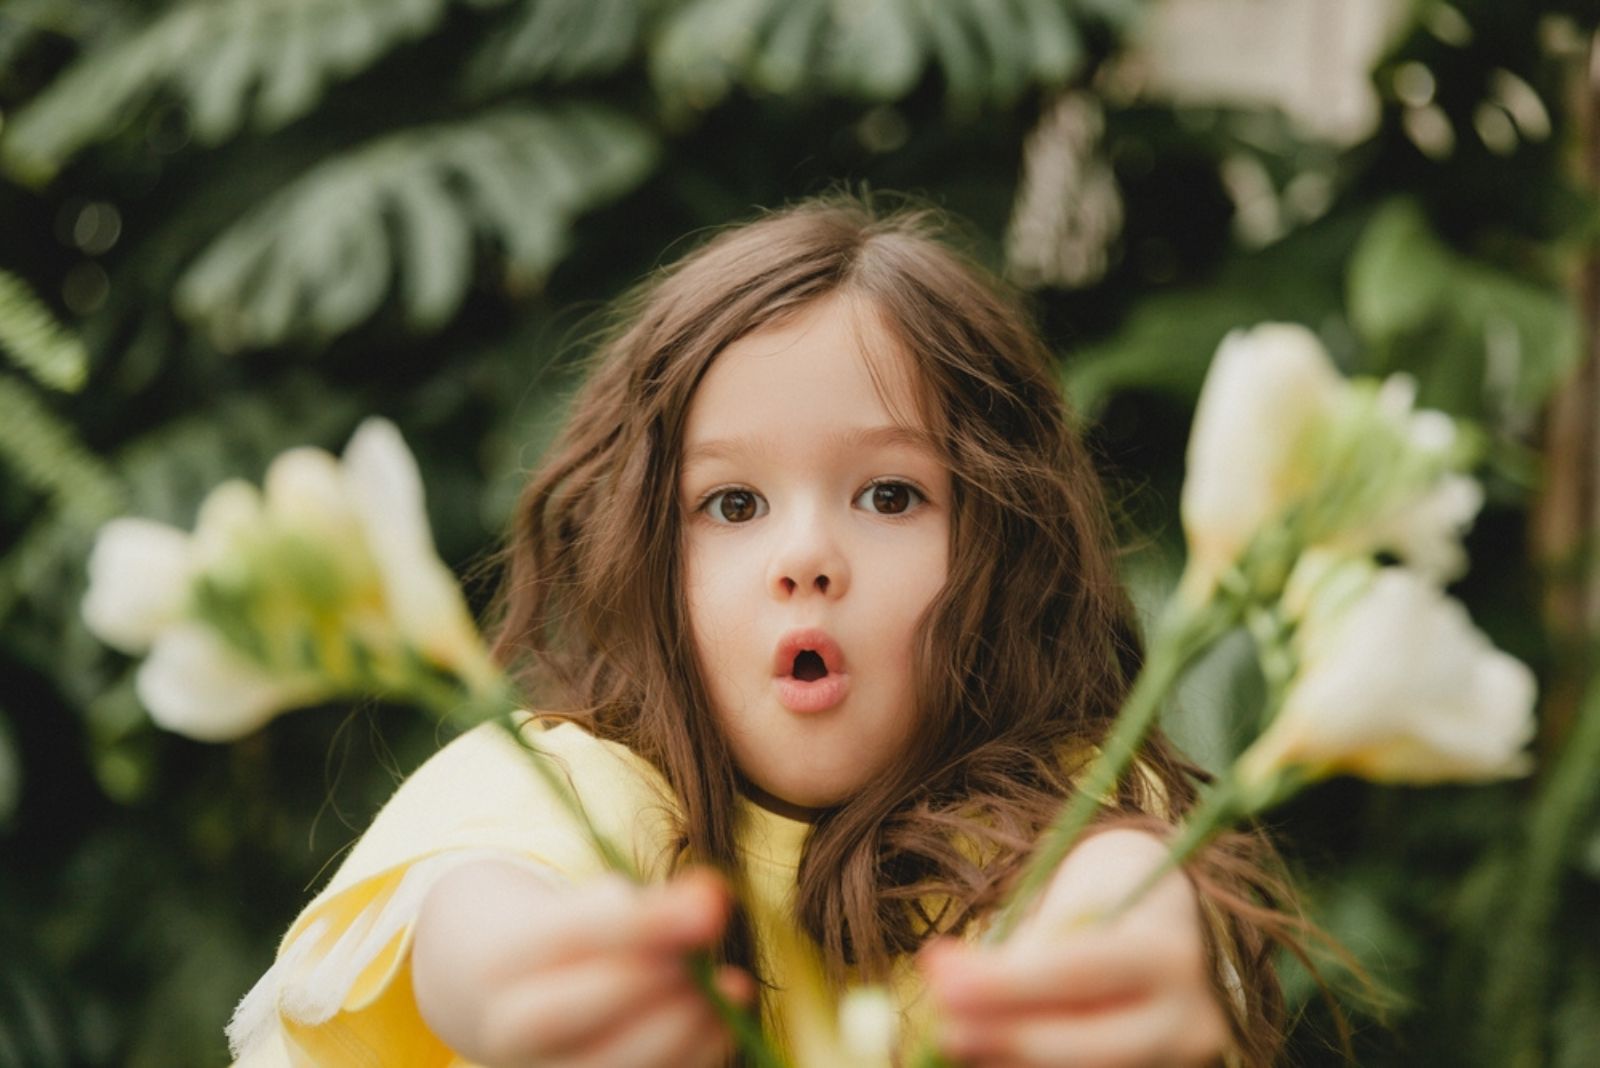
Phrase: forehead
(831, 366)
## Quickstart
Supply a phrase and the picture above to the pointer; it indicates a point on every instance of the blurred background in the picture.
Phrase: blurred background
(232, 226)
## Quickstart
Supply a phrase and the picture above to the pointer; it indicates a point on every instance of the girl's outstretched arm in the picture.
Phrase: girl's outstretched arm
(510, 971)
(1062, 991)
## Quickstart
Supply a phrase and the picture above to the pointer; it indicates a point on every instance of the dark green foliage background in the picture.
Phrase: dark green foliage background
(250, 223)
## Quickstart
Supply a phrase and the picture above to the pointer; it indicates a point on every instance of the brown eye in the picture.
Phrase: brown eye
(891, 498)
(734, 506)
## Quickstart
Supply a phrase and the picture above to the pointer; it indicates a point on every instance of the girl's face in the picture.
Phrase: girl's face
(817, 528)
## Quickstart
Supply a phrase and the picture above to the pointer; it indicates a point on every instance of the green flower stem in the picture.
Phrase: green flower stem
(927, 1056)
(1518, 978)
(468, 710)
(742, 1022)
(1184, 635)
(1218, 810)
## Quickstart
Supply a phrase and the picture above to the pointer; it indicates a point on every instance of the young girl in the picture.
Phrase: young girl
(816, 591)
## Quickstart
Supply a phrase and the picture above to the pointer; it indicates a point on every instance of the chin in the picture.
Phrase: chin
(810, 795)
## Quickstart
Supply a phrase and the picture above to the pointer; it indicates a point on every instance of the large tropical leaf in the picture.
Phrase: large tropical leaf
(225, 61)
(1482, 341)
(989, 51)
(559, 40)
(410, 209)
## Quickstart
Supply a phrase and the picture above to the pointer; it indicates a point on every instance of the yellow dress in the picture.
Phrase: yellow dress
(340, 990)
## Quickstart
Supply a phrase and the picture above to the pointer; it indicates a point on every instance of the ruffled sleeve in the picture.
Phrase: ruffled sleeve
(340, 990)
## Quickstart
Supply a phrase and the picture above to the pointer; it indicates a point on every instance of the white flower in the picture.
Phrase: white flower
(326, 582)
(229, 517)
(1287, 456)
(1268, 390)
(1399, 687)
(196, 685)
(422, 596)
(1420, 508)
(139, 573)
(868, 1023)
(1426, 531)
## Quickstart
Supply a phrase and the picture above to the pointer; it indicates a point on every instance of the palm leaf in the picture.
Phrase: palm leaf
(558, 40)
(322, 256)
(226, 61)
(989, 52)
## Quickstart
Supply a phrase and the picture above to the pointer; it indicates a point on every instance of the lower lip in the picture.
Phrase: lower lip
(818, 695)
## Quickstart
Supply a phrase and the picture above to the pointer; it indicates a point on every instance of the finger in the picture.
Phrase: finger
(678, 1030)
(1086, 969)
(735, 984)
(1157, 1031)
(576, 1005)
(686, 913)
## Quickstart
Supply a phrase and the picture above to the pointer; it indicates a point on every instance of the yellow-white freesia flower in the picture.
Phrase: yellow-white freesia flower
(421, 593)
(869, 1025)
(1397, 686)
(194, 684)
(1268, 392)
(324, 582)
(1428, 507)
(139, 573)
(1286, 455)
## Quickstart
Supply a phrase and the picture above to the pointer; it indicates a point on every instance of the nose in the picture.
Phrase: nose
(808, 561)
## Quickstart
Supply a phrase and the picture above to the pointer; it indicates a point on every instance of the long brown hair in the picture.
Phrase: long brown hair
(1025, 656)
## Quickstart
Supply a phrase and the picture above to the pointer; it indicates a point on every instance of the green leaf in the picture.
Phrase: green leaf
(1482, 341)
(1399, 273)
(878, 50)
(33, 339)
(1165, 343)
(558, 40)
(785, 63)
(45, 450)
(1058, 50)
(225, 61)
(438, 256)
(957, 53)
(320, 257)
(990, 51)
(1003, 34)
(35, 1024)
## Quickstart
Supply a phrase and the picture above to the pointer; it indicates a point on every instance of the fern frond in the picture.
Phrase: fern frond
(45, 564)
(30, 335)
(226, 61)
(319, 258)
(559, 41)
(989, 52)
(46, 452)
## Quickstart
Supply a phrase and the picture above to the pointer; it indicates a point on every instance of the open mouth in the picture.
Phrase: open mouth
(810, 671)
(809, 666)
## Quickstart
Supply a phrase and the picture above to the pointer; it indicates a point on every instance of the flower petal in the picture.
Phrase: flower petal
(1266, 390)
(139, 574)
(1400, 688)
(423, 598)
(1426, 531)
(194, 685)
(305, 491)
(229, 517)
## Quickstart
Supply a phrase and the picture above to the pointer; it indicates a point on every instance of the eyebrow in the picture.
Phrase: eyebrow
(866, 437)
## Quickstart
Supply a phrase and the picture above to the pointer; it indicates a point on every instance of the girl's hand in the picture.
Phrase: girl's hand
(1066, 990)
(510, 971)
